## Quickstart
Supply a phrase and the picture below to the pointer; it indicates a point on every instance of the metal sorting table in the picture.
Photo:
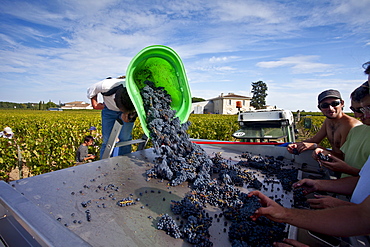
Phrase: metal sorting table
(37, 202)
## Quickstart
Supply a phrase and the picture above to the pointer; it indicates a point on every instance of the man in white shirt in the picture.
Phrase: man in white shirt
(117, 105)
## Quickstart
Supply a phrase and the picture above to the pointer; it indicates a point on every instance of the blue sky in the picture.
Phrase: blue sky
(55, 49)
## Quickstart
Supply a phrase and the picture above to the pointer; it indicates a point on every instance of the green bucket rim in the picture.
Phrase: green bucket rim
(178, 87)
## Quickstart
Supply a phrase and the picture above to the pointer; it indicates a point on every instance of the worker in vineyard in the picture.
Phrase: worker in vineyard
(335, 127)
(92, 130)
(94, 133)
(82, 154)
(7, 133)
(117, 105)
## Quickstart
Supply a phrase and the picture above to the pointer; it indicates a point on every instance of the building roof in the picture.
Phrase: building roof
(76, 103)
(232, 96)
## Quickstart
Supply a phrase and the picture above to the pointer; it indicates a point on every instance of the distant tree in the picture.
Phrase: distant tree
(259, 89)
(195, 99)
(50, 105)
(31, 106)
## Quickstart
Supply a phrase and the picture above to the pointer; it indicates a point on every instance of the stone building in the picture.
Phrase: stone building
(223, 104)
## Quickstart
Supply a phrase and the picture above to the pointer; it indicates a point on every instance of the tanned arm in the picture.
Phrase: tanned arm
(342, 221)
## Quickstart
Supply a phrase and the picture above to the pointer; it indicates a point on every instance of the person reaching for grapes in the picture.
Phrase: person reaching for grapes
(344, 221)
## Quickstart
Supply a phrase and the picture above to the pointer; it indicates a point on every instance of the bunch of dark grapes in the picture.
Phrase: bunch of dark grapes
(271, 167)
(255, 184)
(287, 178)
(299, 198)
(167, 224)
(262, 232)
(195, 230)
(324, 157)
(186, 207)
(243, 210)
(179, 159)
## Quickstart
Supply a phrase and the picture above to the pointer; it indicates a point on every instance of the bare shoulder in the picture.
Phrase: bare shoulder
(351, 121)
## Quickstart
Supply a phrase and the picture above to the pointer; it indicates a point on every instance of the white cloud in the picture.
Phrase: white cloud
(250, 10)
(298, 64)
(219, 59)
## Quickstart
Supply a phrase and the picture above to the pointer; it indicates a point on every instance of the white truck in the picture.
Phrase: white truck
(276, 125)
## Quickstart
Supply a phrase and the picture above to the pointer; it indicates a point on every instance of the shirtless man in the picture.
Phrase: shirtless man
(356, 149)
(335, 127)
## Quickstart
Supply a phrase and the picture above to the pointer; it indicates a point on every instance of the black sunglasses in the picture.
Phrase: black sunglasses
(333, 104)
(356, 110)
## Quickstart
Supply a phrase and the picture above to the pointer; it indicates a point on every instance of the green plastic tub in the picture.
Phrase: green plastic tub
(161, 65)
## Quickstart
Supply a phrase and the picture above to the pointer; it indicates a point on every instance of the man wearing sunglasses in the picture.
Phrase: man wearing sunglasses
(335, 127)
(356, 148)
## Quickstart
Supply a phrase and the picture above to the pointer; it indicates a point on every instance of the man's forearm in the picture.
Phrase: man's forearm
(344, 186)
(95, 104)
(352, 171)
(340, 221)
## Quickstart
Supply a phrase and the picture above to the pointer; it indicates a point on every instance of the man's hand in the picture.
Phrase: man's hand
(336, 164)
(270, 208)
(322, 202)
(308, 185)
(125, 117)
(316, 151)
(89, 157)
(291, 148)
(301, 146)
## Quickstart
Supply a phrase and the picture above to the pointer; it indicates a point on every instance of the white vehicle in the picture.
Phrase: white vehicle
(275, 125)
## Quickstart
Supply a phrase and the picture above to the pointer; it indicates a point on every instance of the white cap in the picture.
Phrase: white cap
(8, 130)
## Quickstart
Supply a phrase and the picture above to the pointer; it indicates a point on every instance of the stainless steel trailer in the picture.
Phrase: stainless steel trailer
(51, 209)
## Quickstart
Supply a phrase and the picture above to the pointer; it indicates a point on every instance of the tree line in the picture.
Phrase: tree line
(33, 106)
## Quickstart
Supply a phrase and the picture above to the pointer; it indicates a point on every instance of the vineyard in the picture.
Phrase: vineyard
(46, 141)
